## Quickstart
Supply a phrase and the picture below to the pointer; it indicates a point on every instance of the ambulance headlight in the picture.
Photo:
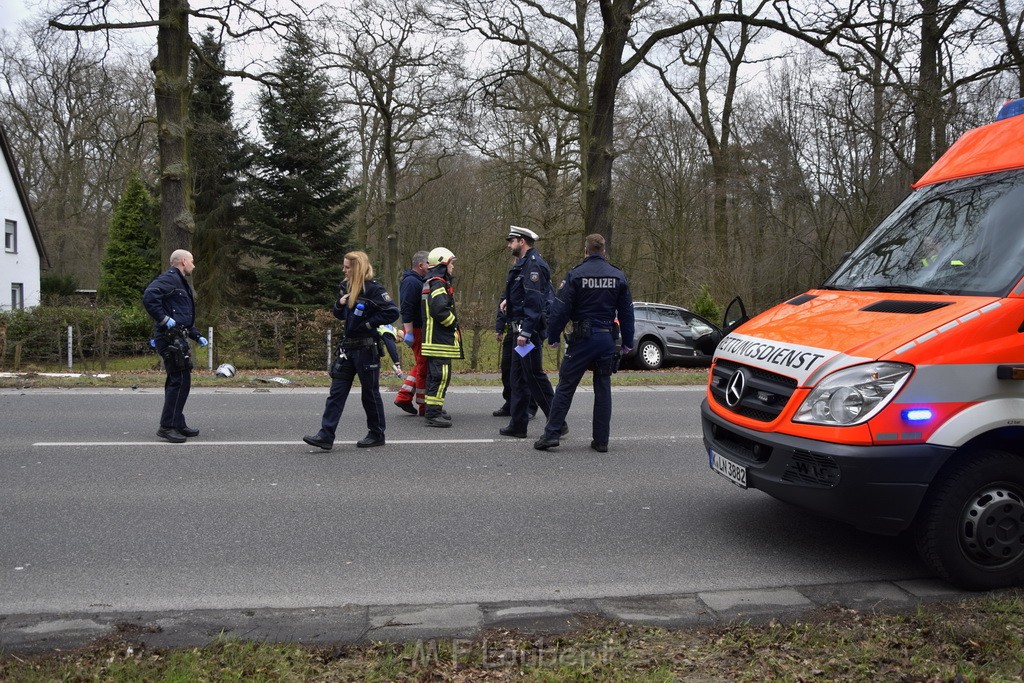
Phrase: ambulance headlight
(853, 395)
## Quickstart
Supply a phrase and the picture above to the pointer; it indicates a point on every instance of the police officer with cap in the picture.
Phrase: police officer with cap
(527, 293)
(592, 296)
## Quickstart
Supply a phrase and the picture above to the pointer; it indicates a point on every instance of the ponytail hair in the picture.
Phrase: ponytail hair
(360, 272)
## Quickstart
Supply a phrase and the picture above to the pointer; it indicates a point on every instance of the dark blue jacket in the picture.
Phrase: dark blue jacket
(500, 321)
(380, 309)
(528, 292)
(170, 296)
(596, 292)
(409, 298)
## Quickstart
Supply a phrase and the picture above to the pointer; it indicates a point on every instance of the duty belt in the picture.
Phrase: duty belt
(358, 343)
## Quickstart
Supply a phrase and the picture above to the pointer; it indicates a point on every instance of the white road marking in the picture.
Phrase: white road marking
(295, 442)
(197, 442)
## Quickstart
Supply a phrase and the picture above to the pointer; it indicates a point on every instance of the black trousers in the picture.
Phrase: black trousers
(439, 377)
(176, 390)
(365, 363)
(529, 381)
(508, 344)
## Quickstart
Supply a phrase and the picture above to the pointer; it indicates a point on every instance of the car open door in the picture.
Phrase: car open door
(735, 315)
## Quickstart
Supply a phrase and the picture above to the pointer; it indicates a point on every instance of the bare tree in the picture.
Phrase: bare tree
(534, 147)
(73, 119)
(406, 89)
(235, 19)
(585, 44)
(712, 61)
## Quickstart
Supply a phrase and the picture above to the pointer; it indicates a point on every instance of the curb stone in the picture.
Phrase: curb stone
(350, 624)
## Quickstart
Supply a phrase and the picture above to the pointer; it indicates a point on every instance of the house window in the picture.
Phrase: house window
(11, 236)
(17, 295)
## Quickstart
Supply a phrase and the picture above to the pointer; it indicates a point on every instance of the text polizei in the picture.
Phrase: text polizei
(599, 282)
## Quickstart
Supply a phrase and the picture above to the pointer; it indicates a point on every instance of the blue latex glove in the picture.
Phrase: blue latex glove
(409, 338)
(171, 322)
(203, 341)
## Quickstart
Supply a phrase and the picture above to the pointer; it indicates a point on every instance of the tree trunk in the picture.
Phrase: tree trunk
(617, 16)
(927, 99)
(173, 89)
(390, 202)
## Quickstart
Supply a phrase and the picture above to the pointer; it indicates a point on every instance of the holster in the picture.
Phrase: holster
(580, 331)
(177, 354)
(339, 359)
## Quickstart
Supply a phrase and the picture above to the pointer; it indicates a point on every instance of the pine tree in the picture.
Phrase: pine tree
(132, 255)
(218, 163)
(298, 212)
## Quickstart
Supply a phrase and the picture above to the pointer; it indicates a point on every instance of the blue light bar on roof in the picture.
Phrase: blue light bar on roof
(1010, 108)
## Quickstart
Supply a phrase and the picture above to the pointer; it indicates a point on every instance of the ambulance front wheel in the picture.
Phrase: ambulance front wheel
(971, 528)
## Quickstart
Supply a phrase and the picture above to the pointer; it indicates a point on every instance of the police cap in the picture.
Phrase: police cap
(515, 232)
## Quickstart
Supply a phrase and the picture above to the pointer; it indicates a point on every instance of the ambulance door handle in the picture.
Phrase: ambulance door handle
(1009, 372)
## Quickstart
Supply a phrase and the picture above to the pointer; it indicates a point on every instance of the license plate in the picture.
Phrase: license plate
(737, 474)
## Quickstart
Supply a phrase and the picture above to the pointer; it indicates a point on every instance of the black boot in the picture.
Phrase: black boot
(436, 417)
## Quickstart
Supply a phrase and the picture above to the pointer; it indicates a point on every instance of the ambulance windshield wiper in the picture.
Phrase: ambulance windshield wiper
(901, 289)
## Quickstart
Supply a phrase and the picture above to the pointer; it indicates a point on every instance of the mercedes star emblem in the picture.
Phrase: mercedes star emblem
(734, 389)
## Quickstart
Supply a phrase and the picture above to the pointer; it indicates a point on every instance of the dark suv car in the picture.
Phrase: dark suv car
(670, 333)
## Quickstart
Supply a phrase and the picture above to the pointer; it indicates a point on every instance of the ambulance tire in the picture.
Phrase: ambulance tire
(649, 355)
(971, 526)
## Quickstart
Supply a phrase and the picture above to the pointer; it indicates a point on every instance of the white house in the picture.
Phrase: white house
(23, 255)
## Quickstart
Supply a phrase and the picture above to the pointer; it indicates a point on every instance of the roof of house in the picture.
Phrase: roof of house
(5, 144)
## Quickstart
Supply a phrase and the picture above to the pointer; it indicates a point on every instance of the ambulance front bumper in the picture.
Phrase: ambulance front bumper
(875, 488)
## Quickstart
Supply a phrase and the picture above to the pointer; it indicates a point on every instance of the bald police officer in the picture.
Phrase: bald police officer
(527, 294)
(592, 296)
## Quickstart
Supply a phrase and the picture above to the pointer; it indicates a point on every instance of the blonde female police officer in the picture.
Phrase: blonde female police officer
(363, 304)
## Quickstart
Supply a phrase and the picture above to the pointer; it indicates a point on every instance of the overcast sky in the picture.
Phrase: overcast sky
(11, 12)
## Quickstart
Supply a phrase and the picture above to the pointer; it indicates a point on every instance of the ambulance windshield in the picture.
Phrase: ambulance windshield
(959, 237)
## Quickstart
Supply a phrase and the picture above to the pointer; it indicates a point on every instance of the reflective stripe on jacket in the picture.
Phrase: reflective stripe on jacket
(441, 335)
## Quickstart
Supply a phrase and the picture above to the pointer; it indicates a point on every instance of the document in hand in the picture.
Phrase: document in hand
(523, 350)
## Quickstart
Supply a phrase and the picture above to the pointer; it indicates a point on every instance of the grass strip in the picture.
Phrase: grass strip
(974, 639)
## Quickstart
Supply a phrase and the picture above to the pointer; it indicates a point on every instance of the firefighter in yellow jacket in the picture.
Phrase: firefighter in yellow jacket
(442, 339)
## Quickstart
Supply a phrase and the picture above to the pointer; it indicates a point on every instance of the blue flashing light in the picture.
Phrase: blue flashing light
(917, 414)
(1010, 108)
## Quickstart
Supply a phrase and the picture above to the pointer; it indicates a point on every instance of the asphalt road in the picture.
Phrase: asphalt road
(97, 514)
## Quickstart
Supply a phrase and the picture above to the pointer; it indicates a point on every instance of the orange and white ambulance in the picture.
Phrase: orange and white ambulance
(892, 396)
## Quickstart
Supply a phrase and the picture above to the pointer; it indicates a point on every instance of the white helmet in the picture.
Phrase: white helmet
(439, 255)
(225, 370)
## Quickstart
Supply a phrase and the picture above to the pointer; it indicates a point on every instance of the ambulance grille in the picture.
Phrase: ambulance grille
(739, 445)
(764, 397)
(905, 307)
(813, 469)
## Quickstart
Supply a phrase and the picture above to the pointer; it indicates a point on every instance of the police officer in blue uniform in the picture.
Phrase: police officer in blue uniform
(507, 340)
(169, 300)
(592, 296)
(527, 295)
(363, 304)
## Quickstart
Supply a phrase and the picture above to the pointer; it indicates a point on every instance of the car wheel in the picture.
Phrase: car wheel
(971, 527)
(649, 355)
